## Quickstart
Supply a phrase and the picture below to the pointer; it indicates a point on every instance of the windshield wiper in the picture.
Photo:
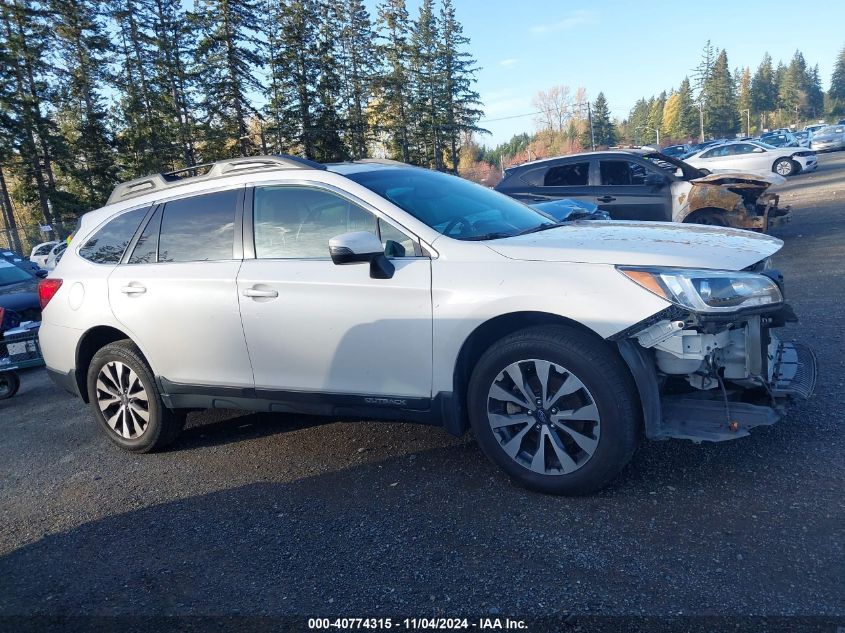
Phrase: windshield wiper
(542, 227)
(496, 235)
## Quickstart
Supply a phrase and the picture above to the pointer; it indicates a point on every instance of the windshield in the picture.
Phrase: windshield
(451, 205)
(12, 274)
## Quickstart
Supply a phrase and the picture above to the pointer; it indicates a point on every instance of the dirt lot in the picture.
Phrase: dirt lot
(261, 514)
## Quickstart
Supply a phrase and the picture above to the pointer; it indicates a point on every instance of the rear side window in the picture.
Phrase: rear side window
(200, 228)
(107, 245)
(571, 175)
(146, 249)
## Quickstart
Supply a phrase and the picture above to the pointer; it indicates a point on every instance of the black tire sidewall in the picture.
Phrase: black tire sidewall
(121, 353)
(13, 382)
(609, 386)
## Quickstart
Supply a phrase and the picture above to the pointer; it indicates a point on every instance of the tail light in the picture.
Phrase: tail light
(2, 318)
(47, 289)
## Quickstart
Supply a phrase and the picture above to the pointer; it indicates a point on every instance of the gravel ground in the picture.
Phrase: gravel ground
(286, 515)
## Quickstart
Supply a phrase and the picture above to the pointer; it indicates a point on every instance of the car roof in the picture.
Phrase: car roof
(634, 151)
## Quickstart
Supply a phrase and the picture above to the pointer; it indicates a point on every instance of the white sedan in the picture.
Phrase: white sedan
(41, 252)
(754, 156)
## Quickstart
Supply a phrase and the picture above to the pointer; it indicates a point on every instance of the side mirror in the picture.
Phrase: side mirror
(358, 248)
(655, 180)
(41, 273)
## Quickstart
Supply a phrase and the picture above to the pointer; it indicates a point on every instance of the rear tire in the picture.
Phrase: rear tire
(10, 382)
(785, 167)
(574, 421)
(126, 400)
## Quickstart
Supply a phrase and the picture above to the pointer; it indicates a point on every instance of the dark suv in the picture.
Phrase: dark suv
(647, 185)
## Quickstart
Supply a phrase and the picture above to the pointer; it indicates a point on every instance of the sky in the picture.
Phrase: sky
(627, 50)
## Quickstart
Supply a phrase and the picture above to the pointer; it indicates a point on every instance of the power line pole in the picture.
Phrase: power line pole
(701, 119)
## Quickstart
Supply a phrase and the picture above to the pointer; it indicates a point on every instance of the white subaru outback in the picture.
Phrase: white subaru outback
(377, 290)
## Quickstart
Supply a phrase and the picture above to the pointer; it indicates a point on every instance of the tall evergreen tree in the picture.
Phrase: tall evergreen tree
(688, 124)
(764, 90)
(82, 43)
(295, 73)
(425, 36)
(792, 88)
(720, 111)
(836, 94)
(604, 132)
(392, 107)
(328, 144)
(358, 65)
(169, 28)
(226, 59)
(461, 103)
(815, 94)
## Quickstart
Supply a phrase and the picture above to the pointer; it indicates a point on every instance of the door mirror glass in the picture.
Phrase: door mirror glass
(361, 247)
(758, 150)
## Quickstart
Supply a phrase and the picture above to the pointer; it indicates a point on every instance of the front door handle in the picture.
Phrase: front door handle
(133, 290)
(258, 293)
(606, 199)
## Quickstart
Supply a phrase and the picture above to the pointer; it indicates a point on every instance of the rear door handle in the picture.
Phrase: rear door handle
(258, 293)
(133, 290)
(606, 199)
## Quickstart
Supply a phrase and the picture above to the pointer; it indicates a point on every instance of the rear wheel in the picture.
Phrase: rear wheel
(785, 167)
(126, 400)
(556, 409)
(10, 382)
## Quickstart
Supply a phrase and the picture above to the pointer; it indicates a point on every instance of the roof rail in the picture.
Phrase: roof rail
(208, 171)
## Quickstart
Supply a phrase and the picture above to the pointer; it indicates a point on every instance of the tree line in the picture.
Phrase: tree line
(93, 92)
(713, 101)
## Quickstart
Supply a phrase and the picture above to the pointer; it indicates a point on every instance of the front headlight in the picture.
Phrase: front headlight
(707, 291)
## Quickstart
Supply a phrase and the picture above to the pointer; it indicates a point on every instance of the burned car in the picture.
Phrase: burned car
(648, 185)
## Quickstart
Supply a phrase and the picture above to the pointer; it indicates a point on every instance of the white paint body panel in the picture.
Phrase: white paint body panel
(333, 328)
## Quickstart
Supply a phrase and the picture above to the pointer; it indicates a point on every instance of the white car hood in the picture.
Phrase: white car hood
(641, 244)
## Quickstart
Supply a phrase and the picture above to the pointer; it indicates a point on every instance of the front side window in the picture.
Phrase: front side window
(450, 205)
(622, 173)
(298, 222)
(107, 244)
(571, 175)
(200, 228)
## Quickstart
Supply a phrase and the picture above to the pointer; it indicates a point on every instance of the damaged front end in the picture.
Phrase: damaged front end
(742, 198)
(706, 371)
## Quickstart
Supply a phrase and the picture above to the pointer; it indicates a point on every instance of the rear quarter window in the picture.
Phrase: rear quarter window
(109, 242)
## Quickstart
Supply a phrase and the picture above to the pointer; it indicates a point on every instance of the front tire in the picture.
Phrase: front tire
(127, 402)
(556, 409)
(785, 167)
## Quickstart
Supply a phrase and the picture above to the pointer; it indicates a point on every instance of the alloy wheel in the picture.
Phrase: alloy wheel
(543, 417)
(784, 168)
(123, 400)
